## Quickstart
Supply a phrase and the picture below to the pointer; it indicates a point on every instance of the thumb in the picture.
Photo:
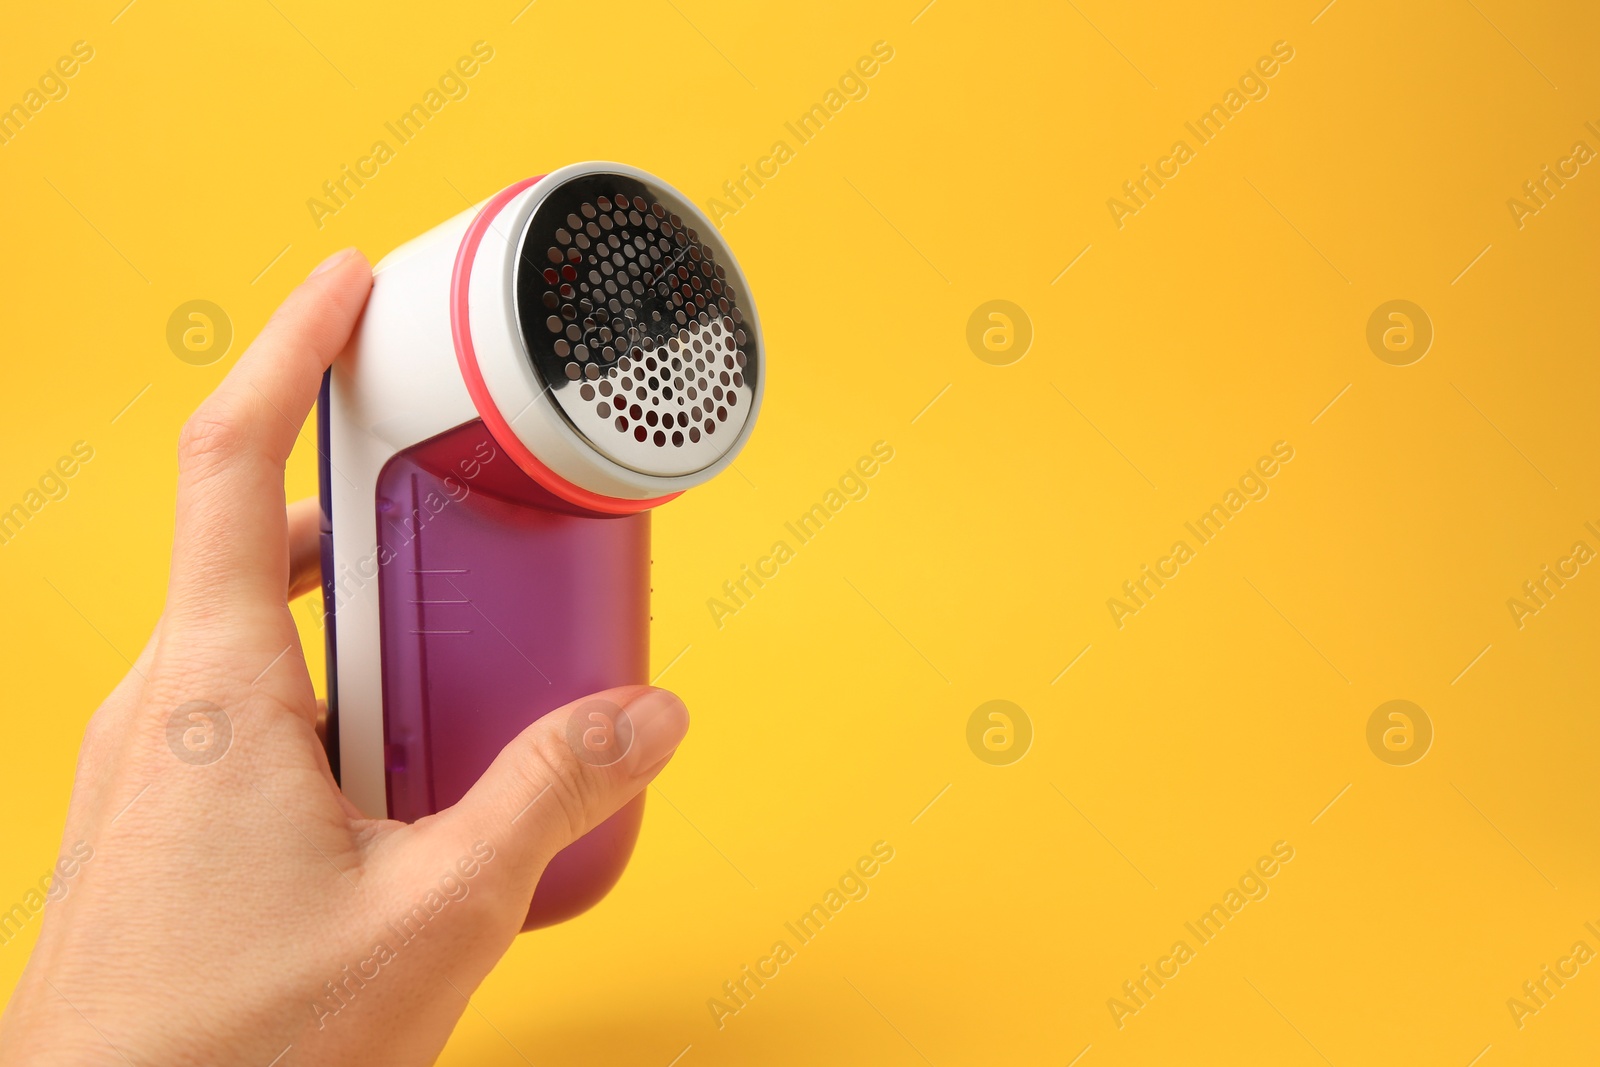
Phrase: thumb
(564, 775)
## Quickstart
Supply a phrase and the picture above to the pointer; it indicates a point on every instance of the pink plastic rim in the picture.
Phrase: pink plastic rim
(467, 357)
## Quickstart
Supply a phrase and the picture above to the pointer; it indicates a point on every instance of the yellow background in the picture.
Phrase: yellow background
(830, 711)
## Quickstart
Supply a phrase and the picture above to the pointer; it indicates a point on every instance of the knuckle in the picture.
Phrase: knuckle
(213, 435)
(551, 770)
(95, 747)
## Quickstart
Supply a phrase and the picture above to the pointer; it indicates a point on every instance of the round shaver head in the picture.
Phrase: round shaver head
(635, 318)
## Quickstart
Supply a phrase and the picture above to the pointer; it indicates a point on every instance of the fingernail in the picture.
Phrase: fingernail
(331, 262)
(660, 722)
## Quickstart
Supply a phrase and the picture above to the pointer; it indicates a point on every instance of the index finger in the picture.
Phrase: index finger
(230, 547)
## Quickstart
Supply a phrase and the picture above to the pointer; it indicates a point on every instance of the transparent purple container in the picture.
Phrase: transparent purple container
(501, 602)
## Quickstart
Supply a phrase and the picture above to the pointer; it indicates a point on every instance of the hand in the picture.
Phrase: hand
(218, 899)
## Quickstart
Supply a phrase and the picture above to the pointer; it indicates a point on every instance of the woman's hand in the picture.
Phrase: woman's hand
(218, 899)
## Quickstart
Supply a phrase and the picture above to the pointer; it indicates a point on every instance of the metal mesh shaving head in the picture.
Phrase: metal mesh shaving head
(634, 323)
